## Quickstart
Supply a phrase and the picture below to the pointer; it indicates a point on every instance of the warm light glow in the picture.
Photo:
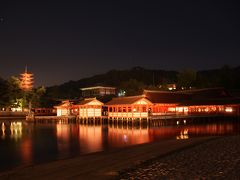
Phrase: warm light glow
(179, 109)
(26, 150)
(171, 109)
(127, 135)
(16, 130)
(143, 101)
(90, 112)
(19, 109)
(183, 134)
(228, 109)
(182, 109)
(64, 132)
(95, 103)
(93, 136)
(26, 81)
(3, 130)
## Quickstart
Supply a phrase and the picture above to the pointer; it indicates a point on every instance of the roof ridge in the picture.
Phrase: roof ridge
(159, 91)
(94, 87)
(87, 99)
(202, 89)
(143, 95)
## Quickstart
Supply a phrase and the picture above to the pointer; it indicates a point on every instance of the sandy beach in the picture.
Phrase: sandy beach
(216, 159)
(103, 165)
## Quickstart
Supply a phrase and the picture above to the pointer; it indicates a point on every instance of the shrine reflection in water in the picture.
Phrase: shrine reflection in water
(23, 143)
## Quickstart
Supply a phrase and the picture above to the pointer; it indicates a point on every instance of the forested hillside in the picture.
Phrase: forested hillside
(139, 78)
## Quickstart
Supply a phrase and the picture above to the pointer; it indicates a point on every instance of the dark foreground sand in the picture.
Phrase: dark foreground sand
(197, 157)
(217, 159)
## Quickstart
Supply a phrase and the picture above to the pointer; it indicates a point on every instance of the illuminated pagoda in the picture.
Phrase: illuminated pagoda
(27, 80)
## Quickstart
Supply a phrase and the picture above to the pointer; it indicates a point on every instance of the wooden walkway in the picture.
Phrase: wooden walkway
(172, 119)
(184, 116)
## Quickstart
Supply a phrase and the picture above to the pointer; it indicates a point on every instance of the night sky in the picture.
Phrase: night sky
(69, 40)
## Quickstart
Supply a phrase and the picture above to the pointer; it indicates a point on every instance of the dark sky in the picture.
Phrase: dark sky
(69, 40)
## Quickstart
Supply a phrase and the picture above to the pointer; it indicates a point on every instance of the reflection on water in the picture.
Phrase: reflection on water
(120, 136)
(63, 136)
(23, 143)
(16, 130)
(3, 130)
(90, 138)
(183, 134)
(26, 150)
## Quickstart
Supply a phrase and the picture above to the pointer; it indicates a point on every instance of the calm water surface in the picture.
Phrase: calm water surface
(24, 144)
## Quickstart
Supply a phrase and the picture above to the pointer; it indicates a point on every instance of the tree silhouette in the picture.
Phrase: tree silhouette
(187, 79)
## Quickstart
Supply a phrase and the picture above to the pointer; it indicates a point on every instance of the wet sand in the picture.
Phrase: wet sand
(103, 165)
(218, 159)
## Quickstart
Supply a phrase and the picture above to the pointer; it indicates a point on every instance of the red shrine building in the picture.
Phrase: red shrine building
(65, 108)
(164, 102)
(84, 109)
(210, 101)
(155, 103)
(90, 108)
(129, 108)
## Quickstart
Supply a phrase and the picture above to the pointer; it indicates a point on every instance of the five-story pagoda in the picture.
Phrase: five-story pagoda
(26, 80)
(26, 84)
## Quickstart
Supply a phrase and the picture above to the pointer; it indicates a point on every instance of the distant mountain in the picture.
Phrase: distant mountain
(112, 78)
(225, 77)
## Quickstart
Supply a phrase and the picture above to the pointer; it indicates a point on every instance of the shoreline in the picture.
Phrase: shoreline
(216, 159)
(104, 164)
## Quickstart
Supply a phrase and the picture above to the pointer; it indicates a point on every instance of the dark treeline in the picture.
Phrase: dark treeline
(12, 96)
(116, 78)
(137, 78)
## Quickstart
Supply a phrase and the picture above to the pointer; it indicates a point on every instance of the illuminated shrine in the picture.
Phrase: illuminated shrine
(90, 108)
